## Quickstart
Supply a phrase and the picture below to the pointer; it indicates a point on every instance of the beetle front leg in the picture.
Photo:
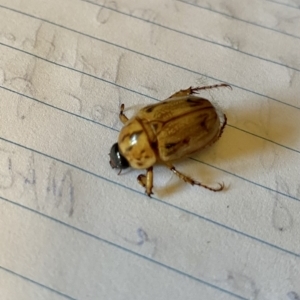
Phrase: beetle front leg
(192, 181)
(147, 181)
(122, 117)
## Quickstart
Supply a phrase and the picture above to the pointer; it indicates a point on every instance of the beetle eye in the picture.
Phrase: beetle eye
(117, 160)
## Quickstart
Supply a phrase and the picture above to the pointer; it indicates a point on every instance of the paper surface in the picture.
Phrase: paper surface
(71, 228)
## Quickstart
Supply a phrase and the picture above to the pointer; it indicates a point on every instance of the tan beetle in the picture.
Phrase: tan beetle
(167, 131)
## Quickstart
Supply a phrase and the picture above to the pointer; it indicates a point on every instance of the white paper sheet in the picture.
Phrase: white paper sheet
(71, 228)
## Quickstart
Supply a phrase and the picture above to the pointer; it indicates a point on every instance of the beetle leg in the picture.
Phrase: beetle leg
(220, 132)
(223, 126)
(147, 181)
(192, 181)
(208, 87)
(122, 117)
(182, 93)
(191, 90)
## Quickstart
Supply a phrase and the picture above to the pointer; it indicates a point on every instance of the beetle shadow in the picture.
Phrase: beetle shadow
(170, 188)
(254, 134)
(174, 184)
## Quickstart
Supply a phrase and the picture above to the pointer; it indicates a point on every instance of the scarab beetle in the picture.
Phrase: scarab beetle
(164, 132)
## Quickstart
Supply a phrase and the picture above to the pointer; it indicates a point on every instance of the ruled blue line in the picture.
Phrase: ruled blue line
(26, 278)
(163, 202)
(284, 4)
(156, 59)
(196, 37)
(57, 108)
(160, 264)
(133, 91)
(263, 138)
(120, 86)
(148, 56)
(78, 71)
(238, 19)
(248, 180)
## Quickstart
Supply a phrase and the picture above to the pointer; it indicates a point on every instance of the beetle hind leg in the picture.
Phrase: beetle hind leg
(194, 182)
(223, 126)
(209, 87)
(182, 93)
(191, 90)
(122, 116)
(219, 134)
(146, 181)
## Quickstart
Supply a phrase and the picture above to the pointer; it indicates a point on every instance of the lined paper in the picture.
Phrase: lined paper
(71, 228)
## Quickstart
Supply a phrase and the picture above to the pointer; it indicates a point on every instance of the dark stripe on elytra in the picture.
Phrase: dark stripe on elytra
(203, 125)
(191, 112)
(154, 145)
(173, 147)
(207, 118)
(149, 108)
(195, 102)
(170, 145)
(186, 141)
(155, 126)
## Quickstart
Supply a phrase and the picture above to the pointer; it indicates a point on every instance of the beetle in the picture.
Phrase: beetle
(164, 132)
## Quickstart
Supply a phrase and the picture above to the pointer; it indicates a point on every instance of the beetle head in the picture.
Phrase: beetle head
(117, 160)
